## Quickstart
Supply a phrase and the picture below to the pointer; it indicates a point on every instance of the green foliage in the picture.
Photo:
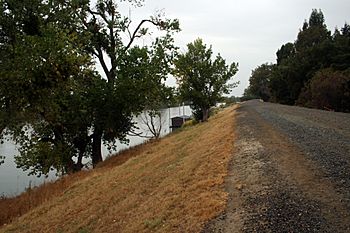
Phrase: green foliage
(202, 80)
(153, 223)
(285, 52)
(312, 52)
(135, 74)
(53, 103)
(229, 100)
(341, 53)
(259, 82)
(41, 71)
(189, 123)
(301, 75)
(329, 90)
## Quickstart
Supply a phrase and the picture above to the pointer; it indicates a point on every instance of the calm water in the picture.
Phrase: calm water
(13, 180)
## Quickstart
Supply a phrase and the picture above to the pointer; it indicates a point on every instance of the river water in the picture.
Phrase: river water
(14, 180)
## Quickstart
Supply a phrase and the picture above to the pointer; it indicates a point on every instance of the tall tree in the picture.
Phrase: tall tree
(259, 82)
(53, 103)
(341, 40)
(313, 51)
(297, 62)
(314, 70)
(286, 52)
(105, 26)
(41, 67)
(202, 80)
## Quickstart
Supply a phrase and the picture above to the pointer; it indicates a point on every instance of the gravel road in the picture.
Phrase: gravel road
(290, 171)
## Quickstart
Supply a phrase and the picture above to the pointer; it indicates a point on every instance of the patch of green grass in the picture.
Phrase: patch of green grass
(189, 123)
(153, 223)
(83, 230)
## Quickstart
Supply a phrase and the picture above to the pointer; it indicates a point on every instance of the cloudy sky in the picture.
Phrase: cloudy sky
(245, 31)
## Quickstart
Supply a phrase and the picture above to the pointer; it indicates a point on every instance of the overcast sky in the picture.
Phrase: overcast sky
(245, 31)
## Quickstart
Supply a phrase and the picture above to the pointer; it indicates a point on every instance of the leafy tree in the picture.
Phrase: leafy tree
(313, 50)
(329, 90)
(312, 71)
(131, 70)
(247, 95)
(202, 80)
(285, 52)
(41, 71)
(297, 62)
(341, 53)
(53, 103)
(313, 33)
(259, 82)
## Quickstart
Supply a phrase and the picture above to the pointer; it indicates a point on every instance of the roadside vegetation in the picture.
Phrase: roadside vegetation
(313, 71)
(174, 184)
(203, 80)
(60, 109)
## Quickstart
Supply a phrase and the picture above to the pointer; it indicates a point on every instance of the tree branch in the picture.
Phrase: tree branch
(134, 35)
(133, 133)
(103, 63)
(113, 52)
(93, 13)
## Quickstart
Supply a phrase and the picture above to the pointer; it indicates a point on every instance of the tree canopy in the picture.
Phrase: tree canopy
(203, 80)
(317, 61)
(259, 82)
(54, 104)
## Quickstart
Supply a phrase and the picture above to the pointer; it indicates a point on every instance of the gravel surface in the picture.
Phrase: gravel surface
(290, 171)
(323, 136)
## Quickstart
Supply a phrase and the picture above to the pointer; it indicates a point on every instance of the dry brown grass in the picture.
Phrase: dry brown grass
(173, 185)
(13, 207)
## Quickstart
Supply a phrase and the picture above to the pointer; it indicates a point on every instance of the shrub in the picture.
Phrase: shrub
(328, 89)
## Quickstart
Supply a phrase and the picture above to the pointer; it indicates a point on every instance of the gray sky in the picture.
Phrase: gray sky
(245, 31)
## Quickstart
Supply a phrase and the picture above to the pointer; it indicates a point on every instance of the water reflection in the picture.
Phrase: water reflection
(14, 180)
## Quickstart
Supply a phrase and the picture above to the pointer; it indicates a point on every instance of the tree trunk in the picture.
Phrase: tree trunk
(205, 114)
(1, 129)
(69, 167)
(81, 143)
(79, 164)
(72, 167)
(96, 148)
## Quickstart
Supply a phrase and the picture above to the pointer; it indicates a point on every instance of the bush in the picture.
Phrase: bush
(189, 123)
(328, 89)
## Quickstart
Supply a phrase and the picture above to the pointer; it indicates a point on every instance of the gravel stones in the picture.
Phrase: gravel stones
(290, 171)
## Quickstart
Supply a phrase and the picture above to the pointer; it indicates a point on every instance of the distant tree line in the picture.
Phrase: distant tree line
(314, 71)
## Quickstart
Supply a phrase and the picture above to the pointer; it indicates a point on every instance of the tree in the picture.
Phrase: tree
(131, 69)
(42, 70)
(313, 33)
(202, 80)
(297, 62)
(329, 90)
(341, 53)
(259, 82)
(285, 52)
(151, 117)
(53, 103)
(312, 71)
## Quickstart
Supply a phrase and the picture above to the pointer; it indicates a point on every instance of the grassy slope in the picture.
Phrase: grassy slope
(174, 185)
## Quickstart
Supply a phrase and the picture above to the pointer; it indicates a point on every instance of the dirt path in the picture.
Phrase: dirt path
(289, 173)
